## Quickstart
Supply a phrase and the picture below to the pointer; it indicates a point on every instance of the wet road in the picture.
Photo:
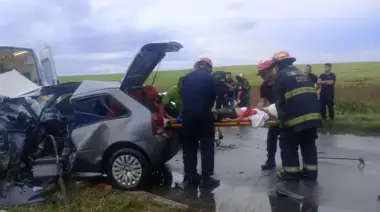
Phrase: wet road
(342, 186)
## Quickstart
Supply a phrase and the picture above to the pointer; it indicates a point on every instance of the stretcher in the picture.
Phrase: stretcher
(177, 124)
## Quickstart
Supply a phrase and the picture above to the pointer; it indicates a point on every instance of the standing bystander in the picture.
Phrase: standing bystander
(326, 82)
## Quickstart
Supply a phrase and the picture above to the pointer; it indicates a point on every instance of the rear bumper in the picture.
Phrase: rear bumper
(167, 149)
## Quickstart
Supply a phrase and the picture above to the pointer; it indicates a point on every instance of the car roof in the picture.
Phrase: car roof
(90, 85)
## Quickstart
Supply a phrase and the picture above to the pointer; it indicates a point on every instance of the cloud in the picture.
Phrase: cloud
(96, 36)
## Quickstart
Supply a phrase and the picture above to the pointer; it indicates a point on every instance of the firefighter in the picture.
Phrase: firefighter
(199, 95)
(221, 94)
(299, 117)
(243, 91)
(231, 85)
(265, 70)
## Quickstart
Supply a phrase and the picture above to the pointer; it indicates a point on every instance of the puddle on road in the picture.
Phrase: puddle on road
(245, 188)
(224, 147)
(278, 197)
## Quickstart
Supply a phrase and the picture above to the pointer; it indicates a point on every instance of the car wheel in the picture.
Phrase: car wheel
(128, 169)
(162, 176)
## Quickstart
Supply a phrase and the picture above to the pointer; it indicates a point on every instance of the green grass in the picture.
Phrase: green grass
(366, 74)
(359, 117)
(82, 197)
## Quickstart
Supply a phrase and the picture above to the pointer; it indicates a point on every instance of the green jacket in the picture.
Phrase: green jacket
(173, 95)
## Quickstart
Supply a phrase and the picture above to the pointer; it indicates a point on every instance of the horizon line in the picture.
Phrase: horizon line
(219, 67)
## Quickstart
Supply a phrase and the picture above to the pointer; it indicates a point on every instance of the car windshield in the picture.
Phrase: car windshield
(36, 103)
(19, 59)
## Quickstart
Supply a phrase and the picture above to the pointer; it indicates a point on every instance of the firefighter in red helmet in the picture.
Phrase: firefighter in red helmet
(204, 63)
(299, 117)
(198, 97)
(265, 70)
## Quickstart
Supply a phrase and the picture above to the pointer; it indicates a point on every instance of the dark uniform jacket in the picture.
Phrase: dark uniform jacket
(231, 91)
(221, 89)
(296, 100)
(198, 93)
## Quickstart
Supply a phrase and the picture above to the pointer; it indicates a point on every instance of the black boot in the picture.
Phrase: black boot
(190, 181)
(309, 175)
(268, 165)
(209, 182)
(283, 175)
(221, 136)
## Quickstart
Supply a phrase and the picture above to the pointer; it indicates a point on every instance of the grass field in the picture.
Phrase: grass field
(357, 90)
(348, 74)
(84, 197)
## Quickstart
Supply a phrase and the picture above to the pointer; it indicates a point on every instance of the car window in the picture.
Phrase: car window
(103, 105)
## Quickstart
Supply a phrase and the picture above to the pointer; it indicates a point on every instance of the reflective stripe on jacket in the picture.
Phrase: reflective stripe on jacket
(296, 100)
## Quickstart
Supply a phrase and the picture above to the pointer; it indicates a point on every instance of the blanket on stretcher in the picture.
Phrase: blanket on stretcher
(259, 118)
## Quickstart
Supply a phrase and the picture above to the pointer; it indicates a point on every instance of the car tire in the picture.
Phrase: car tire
(134, 176)
(162, 176)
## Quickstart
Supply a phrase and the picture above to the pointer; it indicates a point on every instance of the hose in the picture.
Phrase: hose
(60, 177)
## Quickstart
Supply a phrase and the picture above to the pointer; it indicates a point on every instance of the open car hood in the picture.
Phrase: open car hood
(145, 61)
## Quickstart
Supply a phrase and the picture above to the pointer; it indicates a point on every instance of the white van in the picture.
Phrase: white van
(38, 68)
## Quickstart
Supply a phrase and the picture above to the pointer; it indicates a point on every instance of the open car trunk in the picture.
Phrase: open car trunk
(149, 56)
(145, 61)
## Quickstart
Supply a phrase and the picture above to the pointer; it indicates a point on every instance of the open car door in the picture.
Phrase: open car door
(48, 66)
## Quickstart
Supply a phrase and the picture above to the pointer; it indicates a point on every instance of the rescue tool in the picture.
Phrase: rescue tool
(360, 159)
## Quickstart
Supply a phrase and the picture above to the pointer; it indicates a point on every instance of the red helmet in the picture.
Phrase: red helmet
(264, 65)
(205, 63)
(282, 55)
(206, 60)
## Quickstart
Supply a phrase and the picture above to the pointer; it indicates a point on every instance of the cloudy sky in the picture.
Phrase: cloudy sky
(101, 36)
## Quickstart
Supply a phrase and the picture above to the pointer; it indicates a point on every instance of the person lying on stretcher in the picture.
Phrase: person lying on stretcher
(257, 116)
(234, 114)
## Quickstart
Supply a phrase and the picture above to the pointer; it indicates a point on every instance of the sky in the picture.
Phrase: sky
(101, 37)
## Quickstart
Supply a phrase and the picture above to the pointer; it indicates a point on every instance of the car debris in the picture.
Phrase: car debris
(91, 126)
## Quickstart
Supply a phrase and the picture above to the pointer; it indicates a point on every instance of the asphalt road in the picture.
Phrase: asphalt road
(342, 185)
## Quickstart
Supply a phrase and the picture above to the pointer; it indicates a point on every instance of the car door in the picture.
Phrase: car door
(98, 120)
(48, 66)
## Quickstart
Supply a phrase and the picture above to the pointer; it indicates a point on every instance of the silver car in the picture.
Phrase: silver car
(109, 129)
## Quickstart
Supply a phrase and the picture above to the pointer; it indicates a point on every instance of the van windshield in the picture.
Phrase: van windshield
(19, 59)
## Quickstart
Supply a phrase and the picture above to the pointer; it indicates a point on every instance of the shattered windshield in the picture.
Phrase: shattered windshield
(36, 103)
